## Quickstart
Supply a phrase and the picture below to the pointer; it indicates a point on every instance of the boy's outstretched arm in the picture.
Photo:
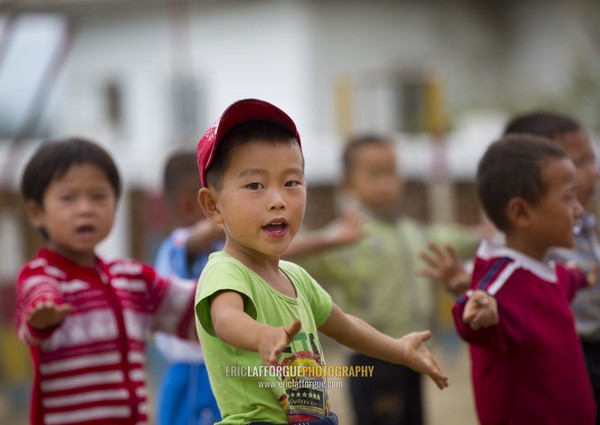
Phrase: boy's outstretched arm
(409, 350)
(481, 310)
(47, 314)
(348, 230)
(237, 328)
(445, 267)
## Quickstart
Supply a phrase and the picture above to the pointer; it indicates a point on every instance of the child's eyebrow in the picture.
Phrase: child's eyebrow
(251, 171)
(292, 170)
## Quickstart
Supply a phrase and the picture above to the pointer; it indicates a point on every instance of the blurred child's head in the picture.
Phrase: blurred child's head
(526, 183)
(371, 173)
(572, 137)
(252, 169)
(71, 188)
(180, 186)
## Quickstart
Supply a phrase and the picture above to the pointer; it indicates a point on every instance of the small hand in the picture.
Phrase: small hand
(418, 357)
(273, 342)
(481, 310)
(47, 314)
(348, 229)
(445, 267)
(591, 277)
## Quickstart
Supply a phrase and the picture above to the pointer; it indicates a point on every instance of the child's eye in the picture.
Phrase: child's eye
(293, 183)
(254, 186)
(67, 198)
(99, 196)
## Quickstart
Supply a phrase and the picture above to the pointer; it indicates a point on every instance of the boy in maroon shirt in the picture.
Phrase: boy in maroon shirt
(527, 363)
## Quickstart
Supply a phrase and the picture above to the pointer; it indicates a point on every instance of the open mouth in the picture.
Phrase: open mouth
(276, 227)
(85, 230)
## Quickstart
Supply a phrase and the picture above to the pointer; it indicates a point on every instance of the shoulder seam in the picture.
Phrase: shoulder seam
(498, 282)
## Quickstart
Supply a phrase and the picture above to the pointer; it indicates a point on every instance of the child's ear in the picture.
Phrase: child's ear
(35, 213)
(518, 212)
(207, 198)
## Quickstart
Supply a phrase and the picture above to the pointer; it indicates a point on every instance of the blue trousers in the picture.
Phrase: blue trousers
(185, 397)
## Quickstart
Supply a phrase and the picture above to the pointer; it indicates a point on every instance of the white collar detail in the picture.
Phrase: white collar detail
(545, 271)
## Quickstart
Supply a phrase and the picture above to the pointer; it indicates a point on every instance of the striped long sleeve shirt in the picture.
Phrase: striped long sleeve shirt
(90, 368)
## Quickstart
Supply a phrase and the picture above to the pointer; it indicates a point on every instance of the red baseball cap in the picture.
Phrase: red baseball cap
(237, 113)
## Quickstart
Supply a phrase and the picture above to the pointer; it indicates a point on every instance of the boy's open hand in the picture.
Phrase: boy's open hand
(481, 310)
(445, 267)
(591, 276)
(47, 314)
(272, 342)
(419, 358)
(348, 229)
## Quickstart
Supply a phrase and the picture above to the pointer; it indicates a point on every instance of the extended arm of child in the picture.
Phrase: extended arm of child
(481, 310)
(445, 267)
(203, 237)
(237, 328)
(47, 314)
(409, 350)
(347, 230)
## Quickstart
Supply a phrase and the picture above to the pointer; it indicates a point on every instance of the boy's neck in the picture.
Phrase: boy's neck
(257, 263)
(525, 245)
(265, 267)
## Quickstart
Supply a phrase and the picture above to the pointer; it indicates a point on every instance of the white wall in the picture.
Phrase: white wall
(292, 53)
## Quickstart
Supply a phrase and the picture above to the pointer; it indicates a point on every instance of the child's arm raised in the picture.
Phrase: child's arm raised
(47, 314)
(445, 267)
(481, 311)
(237, 328)
(410, 350)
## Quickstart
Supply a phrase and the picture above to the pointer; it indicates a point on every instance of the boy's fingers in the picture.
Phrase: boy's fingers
(428, 258)
(292, 329)
(64, 308)
(435, 249)
(425, 335)
(437, 376)
(453, 254)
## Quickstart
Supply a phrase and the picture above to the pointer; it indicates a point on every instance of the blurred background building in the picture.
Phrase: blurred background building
(143, 77)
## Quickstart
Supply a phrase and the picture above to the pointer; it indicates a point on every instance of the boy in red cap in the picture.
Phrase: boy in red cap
(257, 316)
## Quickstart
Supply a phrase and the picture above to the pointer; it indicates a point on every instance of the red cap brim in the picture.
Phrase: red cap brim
(237, 113)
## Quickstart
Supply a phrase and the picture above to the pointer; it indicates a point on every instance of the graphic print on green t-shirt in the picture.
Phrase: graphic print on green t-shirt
(305, 395)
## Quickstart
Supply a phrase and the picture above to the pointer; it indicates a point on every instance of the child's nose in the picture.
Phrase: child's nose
(276, 201)
(85, 205)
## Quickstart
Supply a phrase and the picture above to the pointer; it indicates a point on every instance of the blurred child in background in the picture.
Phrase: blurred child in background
(570, 135)
(185, 396)
(86, 319)
(375, 277)
(527, 362)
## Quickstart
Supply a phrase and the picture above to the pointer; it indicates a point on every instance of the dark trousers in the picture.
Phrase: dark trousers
(329, 420)
(391, 397)
(591, 352)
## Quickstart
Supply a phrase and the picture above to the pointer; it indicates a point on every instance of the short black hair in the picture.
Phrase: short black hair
(241, 135)
(512, 167)
(55, 157)
(542, 123)
(356, 143)
(181, 166)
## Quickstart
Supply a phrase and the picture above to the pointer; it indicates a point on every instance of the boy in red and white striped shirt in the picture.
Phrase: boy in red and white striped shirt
(85, 319)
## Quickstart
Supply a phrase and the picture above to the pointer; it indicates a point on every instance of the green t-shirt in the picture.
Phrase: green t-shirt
(245, 390)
